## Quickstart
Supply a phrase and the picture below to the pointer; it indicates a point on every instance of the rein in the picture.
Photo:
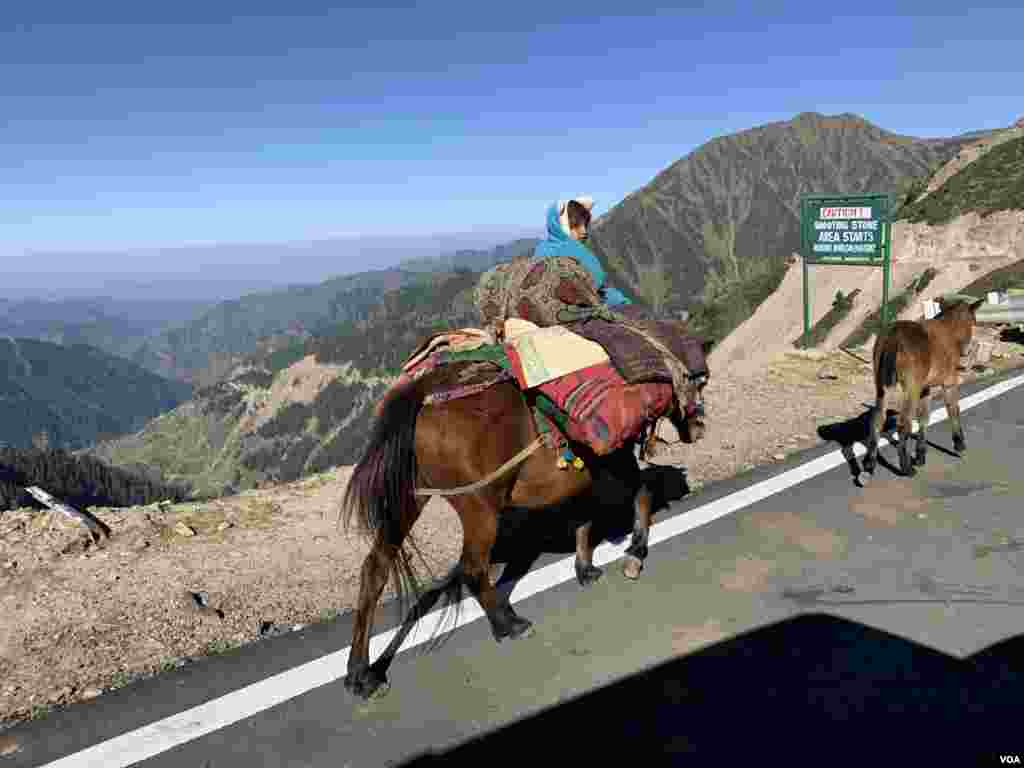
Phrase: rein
(519, 458)
(648, 443)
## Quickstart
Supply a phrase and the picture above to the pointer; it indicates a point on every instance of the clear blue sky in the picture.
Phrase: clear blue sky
(128, 123)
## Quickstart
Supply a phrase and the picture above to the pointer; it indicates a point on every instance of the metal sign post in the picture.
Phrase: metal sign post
(846, 229)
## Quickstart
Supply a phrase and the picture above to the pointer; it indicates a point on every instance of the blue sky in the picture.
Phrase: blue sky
(128, 124)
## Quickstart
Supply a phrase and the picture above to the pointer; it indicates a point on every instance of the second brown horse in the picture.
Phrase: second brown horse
(918, 356)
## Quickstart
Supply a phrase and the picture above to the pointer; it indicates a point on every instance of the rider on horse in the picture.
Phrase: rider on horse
(568, 227)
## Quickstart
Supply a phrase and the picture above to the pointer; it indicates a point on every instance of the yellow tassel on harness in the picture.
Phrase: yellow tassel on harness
(568, 458)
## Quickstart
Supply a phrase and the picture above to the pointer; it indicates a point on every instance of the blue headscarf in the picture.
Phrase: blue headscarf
(558, 243)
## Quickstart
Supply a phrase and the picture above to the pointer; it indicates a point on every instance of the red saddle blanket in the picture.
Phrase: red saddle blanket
(602, 410)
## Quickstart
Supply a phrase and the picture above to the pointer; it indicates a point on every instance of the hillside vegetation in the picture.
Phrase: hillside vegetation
(993, 182)
(82, 481)
(72, 396)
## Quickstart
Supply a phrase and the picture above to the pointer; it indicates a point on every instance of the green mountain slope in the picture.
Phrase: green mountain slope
(75, 395)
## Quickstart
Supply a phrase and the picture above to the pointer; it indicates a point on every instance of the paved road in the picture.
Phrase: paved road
(821, 622)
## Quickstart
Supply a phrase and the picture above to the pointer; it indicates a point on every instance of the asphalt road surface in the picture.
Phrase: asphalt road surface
(786, 613)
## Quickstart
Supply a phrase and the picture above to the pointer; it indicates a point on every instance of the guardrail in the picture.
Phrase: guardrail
(1010, 309)
(1001, 308)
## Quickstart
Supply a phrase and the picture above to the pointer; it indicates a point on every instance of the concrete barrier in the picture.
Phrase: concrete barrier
(1010, 310)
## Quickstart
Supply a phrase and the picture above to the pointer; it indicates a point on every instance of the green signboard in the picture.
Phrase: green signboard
(845, 229)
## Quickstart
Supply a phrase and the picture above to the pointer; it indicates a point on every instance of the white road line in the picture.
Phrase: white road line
(162, 735)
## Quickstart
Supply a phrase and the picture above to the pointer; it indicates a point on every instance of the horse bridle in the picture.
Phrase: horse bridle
(695, 405)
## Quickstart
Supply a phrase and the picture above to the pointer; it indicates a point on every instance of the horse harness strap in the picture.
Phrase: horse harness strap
(519, 458)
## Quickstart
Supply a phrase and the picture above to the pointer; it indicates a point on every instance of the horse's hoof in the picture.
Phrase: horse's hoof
(521, 628)
(367, 684)
(587, 575)
(526, 631)
(632, 567)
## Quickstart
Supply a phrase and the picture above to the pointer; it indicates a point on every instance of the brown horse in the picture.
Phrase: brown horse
(449, 445)
(919, 356)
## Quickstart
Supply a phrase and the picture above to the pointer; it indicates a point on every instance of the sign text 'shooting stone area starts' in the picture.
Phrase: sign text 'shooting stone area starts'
(857, 233)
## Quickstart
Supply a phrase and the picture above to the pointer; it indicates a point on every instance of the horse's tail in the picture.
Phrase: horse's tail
(381, 491)
(885, 372)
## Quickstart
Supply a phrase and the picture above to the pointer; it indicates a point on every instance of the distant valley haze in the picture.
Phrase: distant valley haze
(222, 271)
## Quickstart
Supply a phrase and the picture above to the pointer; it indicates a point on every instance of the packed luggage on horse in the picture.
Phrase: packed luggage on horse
(554, 389)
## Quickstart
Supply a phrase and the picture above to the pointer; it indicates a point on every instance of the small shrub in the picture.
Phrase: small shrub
(872, 324)
(290, 420)
(841, 307)
(1010, 276)
(282, 358)
(294, 461)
